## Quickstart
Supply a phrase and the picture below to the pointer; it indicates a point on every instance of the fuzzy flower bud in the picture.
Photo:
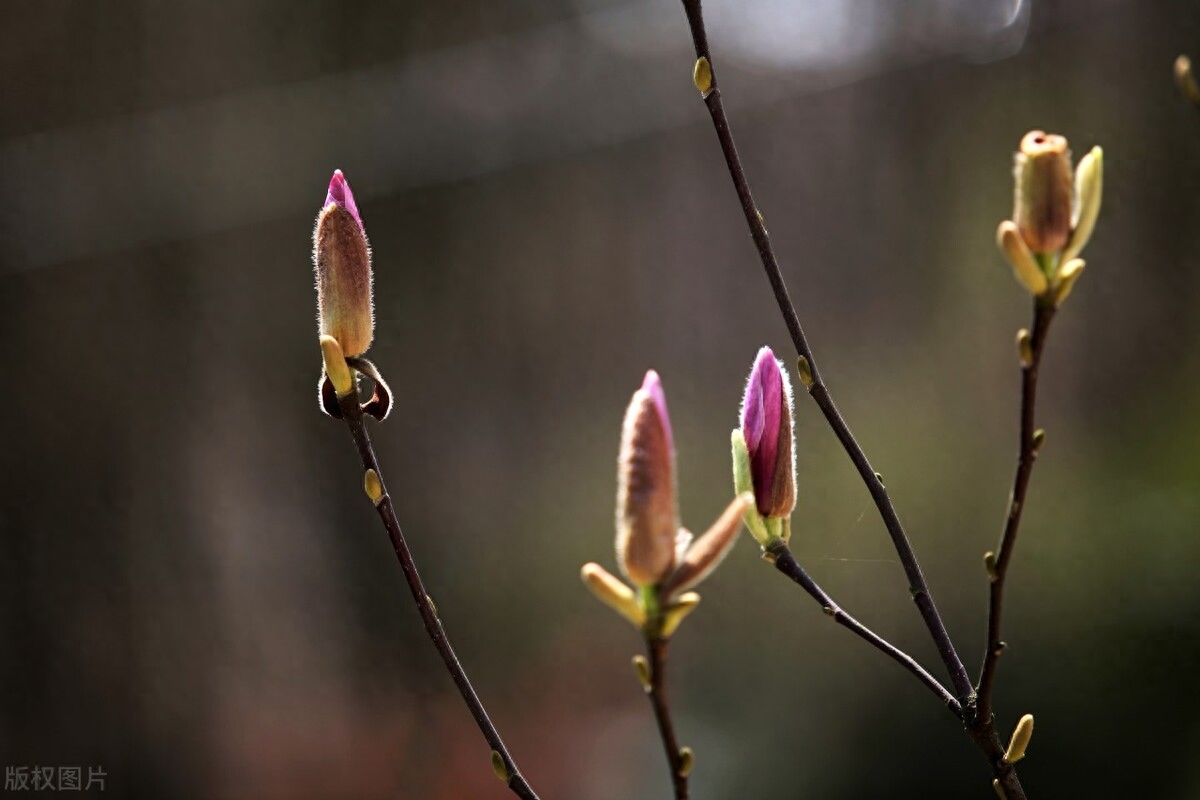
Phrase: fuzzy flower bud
(342, 259)
(647, 520)
(1044, 191)
(767, 431)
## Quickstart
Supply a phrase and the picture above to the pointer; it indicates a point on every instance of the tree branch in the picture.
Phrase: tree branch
(1043, 313)
(816, 387)
(786, 563)
(656, 649)
(353, 415)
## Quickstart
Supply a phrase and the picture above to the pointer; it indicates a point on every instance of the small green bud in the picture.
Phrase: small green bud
(1025, 347)
(702, 76)
(641, 668)
(989, 564)
(1186, 80)
(373, 486)
(499, 767)
(1020, 740)
(1039, 439)
(804, 369)
(687, 760)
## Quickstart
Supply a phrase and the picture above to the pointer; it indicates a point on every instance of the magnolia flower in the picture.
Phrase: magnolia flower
(1053, 214)
(342, 259)
(653, 551)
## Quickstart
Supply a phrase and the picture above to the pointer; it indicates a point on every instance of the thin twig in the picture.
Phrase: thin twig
(429, 616)
(1043, 313)
(786, 563)
(817, 389)
(656, 649)
(981, 729)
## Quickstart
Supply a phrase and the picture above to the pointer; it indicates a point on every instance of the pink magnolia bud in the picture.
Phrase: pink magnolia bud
(647, 520)
(342, 259)
(767, 429)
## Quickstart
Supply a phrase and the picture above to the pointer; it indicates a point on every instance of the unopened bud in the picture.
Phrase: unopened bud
(1043, 197)
(687, 760)
(767, 431)
(342, 259)
(1020, 740)
(1187, 80)
(373, 486)
(1025, 347)
(702, 76)
(641, 668)
(647, 520)
(499, 767)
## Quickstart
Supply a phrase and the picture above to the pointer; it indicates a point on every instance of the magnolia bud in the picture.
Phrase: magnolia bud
(1044, 192)
(767, 431)
(647, 520)
(342, 259)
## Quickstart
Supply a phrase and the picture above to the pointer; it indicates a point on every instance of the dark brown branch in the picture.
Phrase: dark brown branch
(433, 626)
(817, 389)
(1027, 454)
(656, 650)
(981, 729)
(786, 563)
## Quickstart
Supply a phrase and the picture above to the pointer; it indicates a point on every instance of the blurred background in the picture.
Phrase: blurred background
(194, 594)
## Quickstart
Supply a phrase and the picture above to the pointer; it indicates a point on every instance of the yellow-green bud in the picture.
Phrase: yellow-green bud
(1020, 740)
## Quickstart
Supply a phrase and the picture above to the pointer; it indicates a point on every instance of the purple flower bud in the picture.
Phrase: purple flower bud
(339, 193)
(342, 259)
(647, 520)
(767, 429)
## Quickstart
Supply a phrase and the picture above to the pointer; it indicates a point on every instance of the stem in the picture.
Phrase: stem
(433, 626)
(1043, 313)
(786, 563)
(817, 389)
(656, 649)
(980, 729)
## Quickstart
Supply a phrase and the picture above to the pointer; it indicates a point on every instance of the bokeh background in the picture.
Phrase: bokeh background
(194, 594)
